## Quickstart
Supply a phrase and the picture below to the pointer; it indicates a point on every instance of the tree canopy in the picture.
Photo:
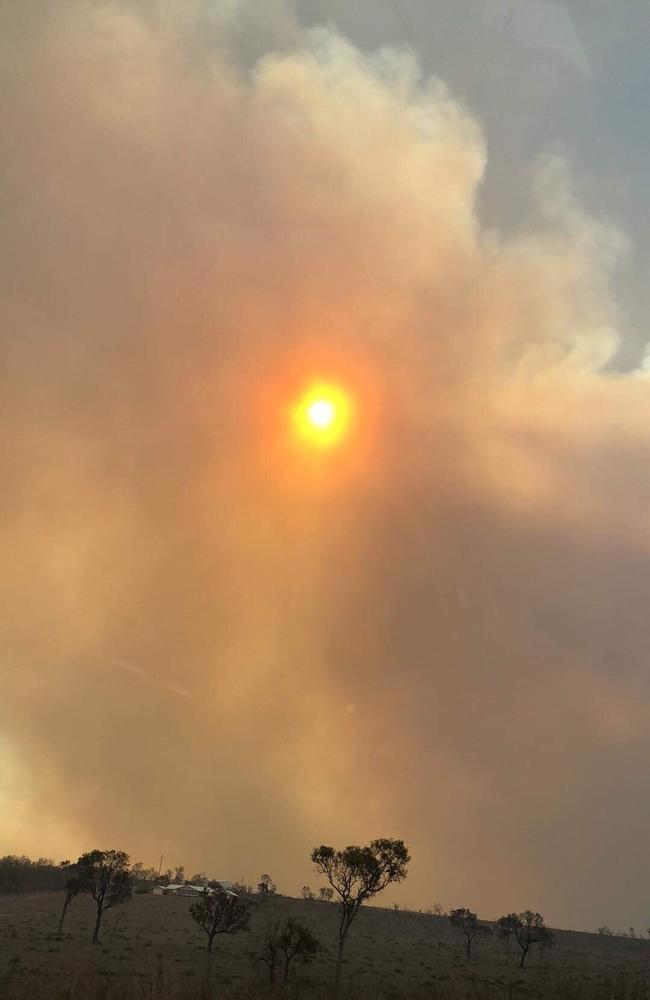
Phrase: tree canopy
(105, 875)
(358, 873)
(220, 912)
(527, 928)
(468, 923)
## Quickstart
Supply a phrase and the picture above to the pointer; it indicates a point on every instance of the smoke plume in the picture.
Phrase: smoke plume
(219, 647)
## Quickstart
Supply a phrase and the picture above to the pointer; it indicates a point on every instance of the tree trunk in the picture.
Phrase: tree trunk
(97, 923)
(524, 952)
(339, 963)
(469, 946)
(65, 907)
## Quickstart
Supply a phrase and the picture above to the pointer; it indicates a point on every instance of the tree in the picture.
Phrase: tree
(106, 877)
(179, 874)
(438, 910)
(19, 874)
(220, 912)
(266, 886)
(297, 941)
(142, 878)
(73, 887)
(356, 874)
(307, 893)
(283, 942)
(326, 894)
(466, 921)
(527, 928)
(270, 953)
(607, 932)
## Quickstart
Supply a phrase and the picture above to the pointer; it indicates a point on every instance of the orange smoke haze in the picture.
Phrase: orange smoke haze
(224, 647)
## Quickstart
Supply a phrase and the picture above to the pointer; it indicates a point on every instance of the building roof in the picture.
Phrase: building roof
(225, 884)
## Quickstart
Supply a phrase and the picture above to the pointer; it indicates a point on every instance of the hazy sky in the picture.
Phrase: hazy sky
(222, 647)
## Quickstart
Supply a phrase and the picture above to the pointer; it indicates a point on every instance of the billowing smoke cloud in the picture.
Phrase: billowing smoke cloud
(220, 648)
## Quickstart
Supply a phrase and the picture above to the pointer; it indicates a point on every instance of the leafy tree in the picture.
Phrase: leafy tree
(438, 910)
(20, 874)
(73, 887)
(179, 874)
(326, 894)
(266, 886)
(307, 893)
(356, 874)
(199, 879)
(220, 912)
(466, 921)
(142, 878)
(297, 941)
(527, 928)
(607, 932)
(285, 941)
(106, 877)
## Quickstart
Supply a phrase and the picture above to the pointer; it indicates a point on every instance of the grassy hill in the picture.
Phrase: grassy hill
(152, 949)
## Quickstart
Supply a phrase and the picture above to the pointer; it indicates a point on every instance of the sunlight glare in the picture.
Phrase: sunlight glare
(322, 415)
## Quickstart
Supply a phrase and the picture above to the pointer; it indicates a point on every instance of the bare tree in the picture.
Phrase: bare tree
(220, 912)
(466, 921)
(106, 877)
(73, 887)
(270, 954)
(356, 874)
(527, 928)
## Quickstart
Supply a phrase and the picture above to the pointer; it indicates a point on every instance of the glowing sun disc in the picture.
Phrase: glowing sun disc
(322, 415)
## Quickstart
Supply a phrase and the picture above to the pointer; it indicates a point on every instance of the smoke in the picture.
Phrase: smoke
(218, 647)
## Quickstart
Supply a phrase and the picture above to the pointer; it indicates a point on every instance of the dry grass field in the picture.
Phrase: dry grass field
(151, 949)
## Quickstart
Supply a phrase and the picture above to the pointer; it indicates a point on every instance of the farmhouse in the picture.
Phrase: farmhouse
(186, 889)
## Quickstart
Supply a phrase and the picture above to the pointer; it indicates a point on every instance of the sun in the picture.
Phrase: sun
(321, 416)
(321, 413)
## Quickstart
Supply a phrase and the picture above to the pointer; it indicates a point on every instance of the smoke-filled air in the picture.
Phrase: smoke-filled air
(324, 499)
